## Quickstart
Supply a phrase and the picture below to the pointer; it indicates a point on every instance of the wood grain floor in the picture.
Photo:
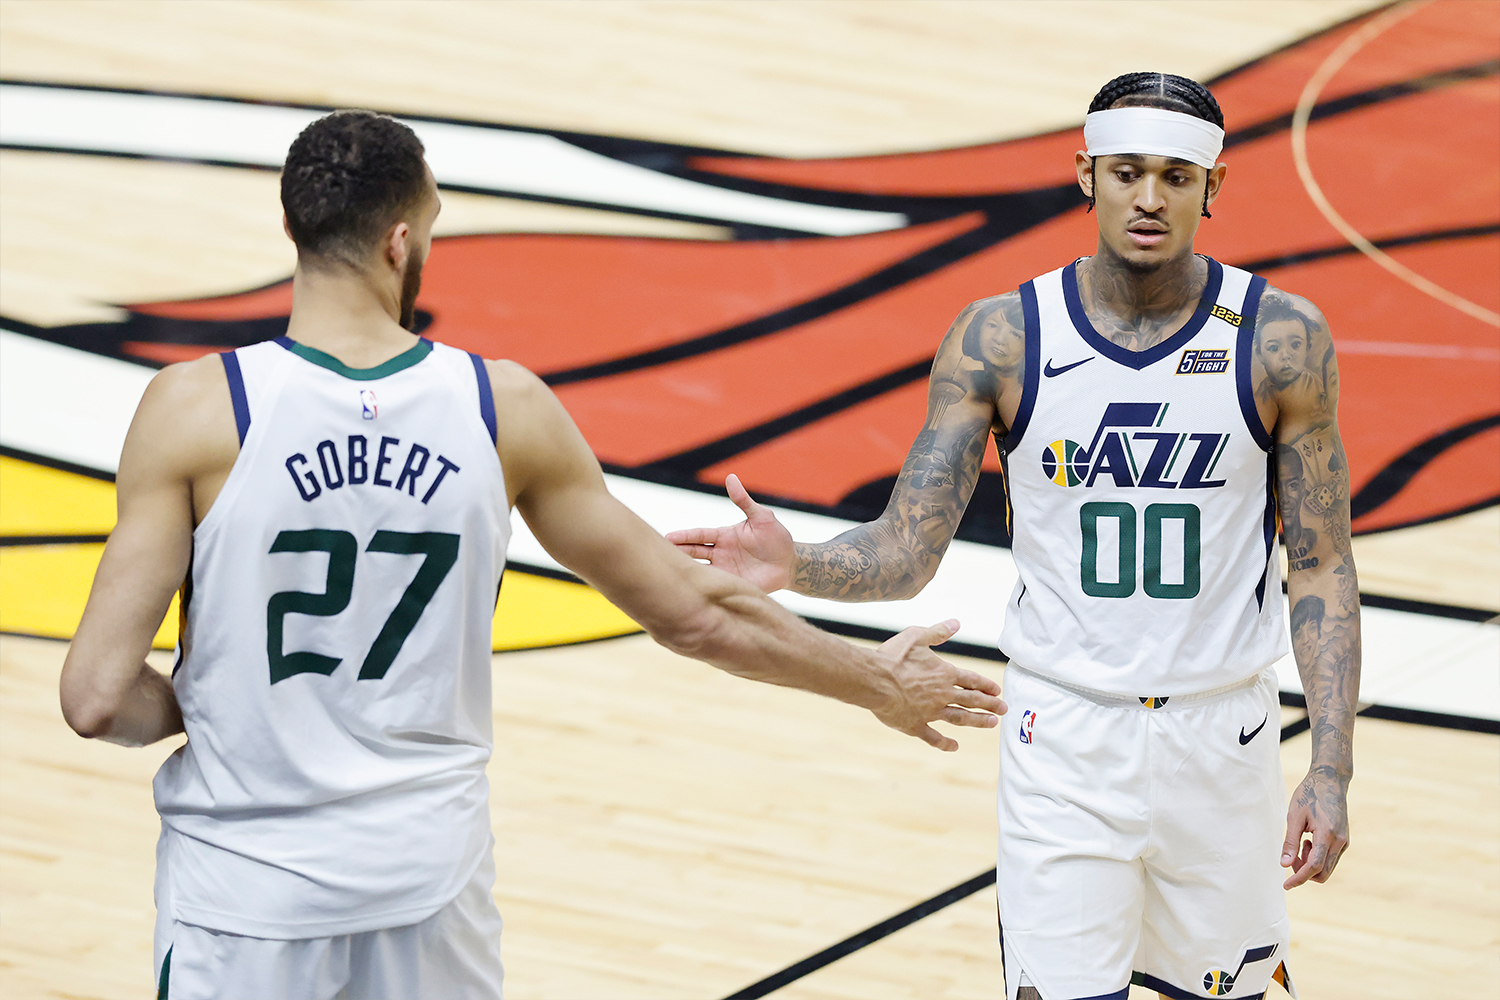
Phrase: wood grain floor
(664, 831)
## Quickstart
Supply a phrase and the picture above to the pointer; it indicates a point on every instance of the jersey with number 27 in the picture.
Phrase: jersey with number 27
(334, 665)
(1142, 507)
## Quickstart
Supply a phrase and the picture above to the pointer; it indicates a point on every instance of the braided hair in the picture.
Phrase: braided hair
(348, 178)
(1159, 90)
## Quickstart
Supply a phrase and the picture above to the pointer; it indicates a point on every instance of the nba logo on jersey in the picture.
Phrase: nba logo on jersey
(1028, 719)
(367, 401)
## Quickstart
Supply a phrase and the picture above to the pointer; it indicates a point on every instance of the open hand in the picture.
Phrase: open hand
(1319, 811)
(930, 689)
(758, 549)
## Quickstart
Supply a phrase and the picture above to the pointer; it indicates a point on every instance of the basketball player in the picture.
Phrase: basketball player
(1140, 797)
(335, 505)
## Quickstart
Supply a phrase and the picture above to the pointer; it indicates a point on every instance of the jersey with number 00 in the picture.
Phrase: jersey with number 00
(1141, 502)
(334, 667)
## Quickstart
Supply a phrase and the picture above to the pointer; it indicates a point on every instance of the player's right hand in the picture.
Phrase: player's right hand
(930, 689)
(758, 549)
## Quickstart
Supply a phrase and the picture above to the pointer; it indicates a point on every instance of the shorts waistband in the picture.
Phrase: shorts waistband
(1140, 701)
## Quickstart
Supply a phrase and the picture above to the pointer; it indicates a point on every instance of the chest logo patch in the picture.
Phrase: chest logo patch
(1130, 449)
(1203, 362)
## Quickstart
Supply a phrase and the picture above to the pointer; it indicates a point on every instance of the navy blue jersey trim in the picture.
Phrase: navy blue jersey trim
(1032, 366)
(237, 393)
(486, 397)
(1151, 355)
(1244, 352)
(1175, 993)
(1268, 525)
(1120, 994)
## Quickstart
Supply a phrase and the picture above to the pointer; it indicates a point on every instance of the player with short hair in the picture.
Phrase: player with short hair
(335, 505)
(1147, 425)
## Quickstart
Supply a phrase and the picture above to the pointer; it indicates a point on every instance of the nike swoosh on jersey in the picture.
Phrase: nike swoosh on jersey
(1049, 371)
(1253, 733)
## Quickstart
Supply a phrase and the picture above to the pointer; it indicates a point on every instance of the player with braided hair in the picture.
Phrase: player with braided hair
(1150, 406)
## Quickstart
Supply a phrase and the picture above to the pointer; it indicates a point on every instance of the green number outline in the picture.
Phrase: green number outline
(440, 550)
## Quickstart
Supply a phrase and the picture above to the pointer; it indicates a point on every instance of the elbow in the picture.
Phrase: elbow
(87, 712)
(91, 720)
(704, 633)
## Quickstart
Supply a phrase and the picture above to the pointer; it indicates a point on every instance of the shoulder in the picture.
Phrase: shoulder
(184, 424)
(186, 390)
(1280, 304)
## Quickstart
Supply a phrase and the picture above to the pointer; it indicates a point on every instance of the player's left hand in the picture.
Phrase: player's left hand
(1317, 828)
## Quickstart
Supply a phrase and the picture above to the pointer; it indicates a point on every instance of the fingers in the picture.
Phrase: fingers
(935, 635)
(693, 536)
(979, 700)
(978, 682)
(1313, 859)
(963, 717)
(933, 738)
(696, 551)
(740, 495)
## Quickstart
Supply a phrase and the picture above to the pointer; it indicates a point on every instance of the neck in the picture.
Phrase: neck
(345, 313)
(1108, 284)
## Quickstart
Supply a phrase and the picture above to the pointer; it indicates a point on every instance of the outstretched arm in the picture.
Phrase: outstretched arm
(1312, 479)
(896, 555)
(700, 611)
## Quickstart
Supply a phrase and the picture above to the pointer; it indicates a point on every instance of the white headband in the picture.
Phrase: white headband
(1153, 132)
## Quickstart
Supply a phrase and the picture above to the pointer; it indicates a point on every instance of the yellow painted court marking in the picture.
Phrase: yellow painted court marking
(36, 500)
(43, 588)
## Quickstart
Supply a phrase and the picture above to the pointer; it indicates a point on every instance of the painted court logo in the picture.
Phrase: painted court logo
(1028, 719)
(1131, 449)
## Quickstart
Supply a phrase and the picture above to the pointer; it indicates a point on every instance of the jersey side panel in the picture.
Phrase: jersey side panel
(335, 669)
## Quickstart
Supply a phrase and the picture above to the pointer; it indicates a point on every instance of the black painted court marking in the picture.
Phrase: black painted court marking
(943, 900)
(866, 937)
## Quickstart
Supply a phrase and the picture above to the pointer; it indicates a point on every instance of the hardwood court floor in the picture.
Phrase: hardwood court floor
(666, 831)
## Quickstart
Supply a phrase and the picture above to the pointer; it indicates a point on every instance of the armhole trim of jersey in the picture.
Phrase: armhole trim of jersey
(486, 397)
(1031, 365)
(237, 393)
(1268, 525)
(1242, 367)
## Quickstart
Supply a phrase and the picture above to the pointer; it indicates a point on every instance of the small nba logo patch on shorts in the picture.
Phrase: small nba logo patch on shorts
(1028, 719)
(367, 402)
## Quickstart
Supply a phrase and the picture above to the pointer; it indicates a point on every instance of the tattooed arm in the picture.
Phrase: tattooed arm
(1297, 374)
(974, 389)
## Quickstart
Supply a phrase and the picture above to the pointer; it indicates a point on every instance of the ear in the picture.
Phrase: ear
(286, 227)
(396, 252)
(1084, 164)
(1216, 181)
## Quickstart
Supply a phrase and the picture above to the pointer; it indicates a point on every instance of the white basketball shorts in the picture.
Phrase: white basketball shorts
(452, 955)
(1140, 840)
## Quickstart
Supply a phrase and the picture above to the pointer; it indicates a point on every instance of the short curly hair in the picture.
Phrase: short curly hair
(348, 178)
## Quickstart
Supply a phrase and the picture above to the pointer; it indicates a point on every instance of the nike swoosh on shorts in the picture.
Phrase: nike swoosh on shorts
(1246, 739)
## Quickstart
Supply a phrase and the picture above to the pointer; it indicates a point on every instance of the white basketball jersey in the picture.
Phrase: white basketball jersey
(334, 666)
(1140, 489)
